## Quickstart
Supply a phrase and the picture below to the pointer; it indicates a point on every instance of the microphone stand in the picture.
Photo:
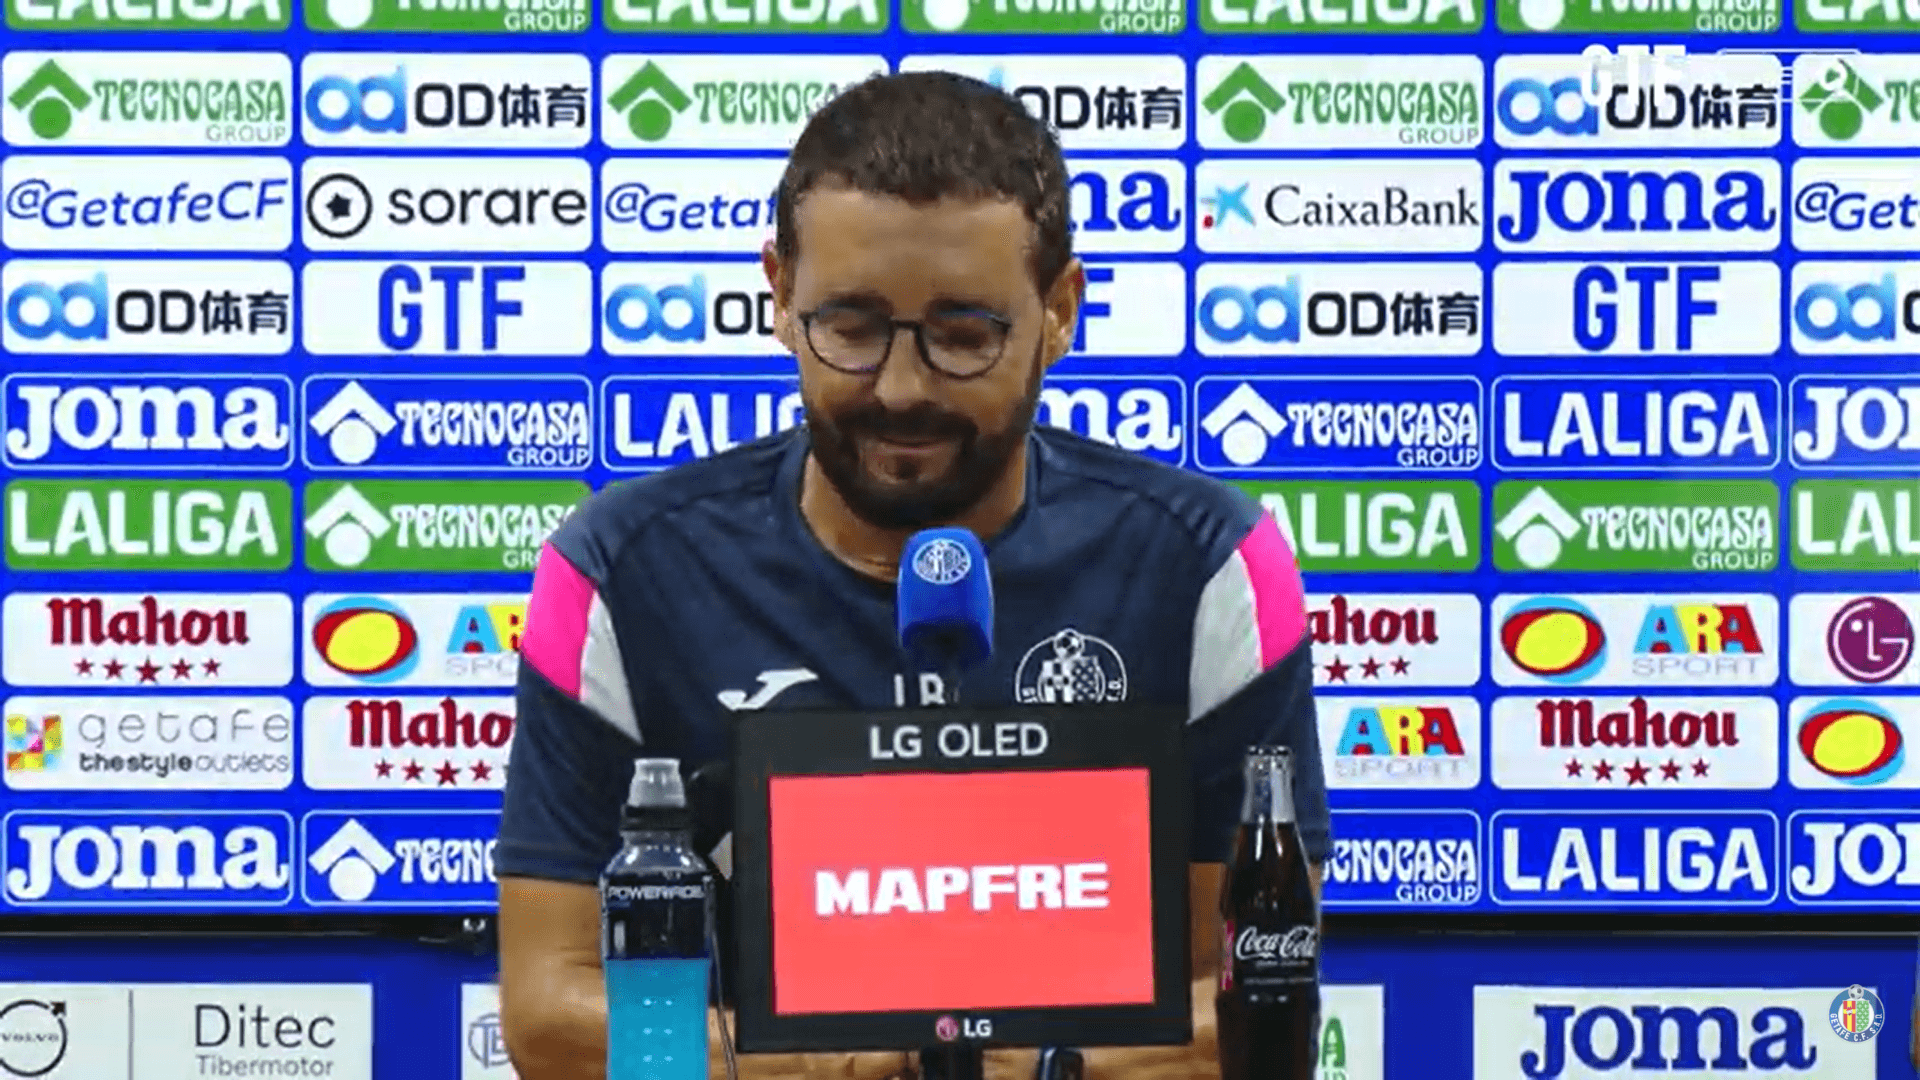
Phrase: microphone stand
(955, 1060)
(967, 1060)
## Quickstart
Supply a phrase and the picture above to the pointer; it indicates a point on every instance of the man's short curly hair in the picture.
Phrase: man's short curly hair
(925, 135)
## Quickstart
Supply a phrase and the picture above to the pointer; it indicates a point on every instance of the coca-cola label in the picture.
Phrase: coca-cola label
(1259, 957)
(1300, 943)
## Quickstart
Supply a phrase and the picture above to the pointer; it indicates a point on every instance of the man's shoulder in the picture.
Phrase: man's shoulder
(607, 522)
(1213, 515)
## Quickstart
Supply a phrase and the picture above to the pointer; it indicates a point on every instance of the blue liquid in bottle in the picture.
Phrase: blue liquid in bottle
(656, 902)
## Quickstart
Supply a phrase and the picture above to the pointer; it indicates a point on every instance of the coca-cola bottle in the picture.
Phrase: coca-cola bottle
(1268, 1008)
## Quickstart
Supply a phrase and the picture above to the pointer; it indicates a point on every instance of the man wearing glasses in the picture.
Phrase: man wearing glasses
(924, 278)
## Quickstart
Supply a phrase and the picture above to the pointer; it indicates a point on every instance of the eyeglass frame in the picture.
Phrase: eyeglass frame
(919, 328)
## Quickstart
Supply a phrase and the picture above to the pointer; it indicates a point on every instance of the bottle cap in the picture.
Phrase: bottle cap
(657, 784)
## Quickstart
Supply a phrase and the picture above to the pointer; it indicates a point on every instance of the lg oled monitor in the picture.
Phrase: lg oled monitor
(1012, 877)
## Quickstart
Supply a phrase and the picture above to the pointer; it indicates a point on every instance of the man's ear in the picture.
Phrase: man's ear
(1063, 311)
(782, 286)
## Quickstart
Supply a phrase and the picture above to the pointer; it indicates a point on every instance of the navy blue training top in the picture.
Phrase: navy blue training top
(665, 601)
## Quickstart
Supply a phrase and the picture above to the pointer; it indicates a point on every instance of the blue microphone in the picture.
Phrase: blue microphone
(945, 602)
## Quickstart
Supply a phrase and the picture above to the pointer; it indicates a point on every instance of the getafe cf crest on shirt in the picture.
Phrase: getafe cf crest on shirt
(1070, 668)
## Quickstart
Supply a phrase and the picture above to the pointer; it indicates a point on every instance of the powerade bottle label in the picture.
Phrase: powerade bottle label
(649, 915)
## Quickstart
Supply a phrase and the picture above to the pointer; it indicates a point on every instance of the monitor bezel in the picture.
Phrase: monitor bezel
(1104, 736)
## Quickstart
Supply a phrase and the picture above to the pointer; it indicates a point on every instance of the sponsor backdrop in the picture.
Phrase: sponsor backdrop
(1569, 342)
(1418, 1007)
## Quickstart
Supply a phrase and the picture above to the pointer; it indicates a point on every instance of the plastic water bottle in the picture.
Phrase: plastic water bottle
(656, 916)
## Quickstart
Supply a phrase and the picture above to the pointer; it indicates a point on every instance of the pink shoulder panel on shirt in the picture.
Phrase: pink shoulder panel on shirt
(1279, 598)
(555, 638)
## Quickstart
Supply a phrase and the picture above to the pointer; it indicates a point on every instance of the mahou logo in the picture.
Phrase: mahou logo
(1292, 945)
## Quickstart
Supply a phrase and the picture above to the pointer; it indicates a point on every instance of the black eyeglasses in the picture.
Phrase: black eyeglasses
(857, 341)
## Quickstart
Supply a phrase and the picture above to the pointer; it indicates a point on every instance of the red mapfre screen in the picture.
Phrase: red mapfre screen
(924, 891)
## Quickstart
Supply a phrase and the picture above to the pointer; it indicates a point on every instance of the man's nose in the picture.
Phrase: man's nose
(904, 379)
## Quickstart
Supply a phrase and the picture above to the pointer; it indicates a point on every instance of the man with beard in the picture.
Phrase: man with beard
(923, 276)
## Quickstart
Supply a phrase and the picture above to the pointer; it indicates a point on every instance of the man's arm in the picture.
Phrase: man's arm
(553, 1002)
(576, 735)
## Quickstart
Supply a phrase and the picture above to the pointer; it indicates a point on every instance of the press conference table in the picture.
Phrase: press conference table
(1195, 1061)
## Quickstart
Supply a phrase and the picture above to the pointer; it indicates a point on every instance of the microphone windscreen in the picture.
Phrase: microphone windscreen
(945, 599)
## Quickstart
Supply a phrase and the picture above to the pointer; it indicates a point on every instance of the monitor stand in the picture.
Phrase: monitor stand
(955, 1061)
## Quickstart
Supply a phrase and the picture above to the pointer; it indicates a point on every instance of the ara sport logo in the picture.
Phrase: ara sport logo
(138, 307)
(414, 639)
(469, 423)
(1401, 742)
(146, 858)
(1705, 640)
(1852, 742)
